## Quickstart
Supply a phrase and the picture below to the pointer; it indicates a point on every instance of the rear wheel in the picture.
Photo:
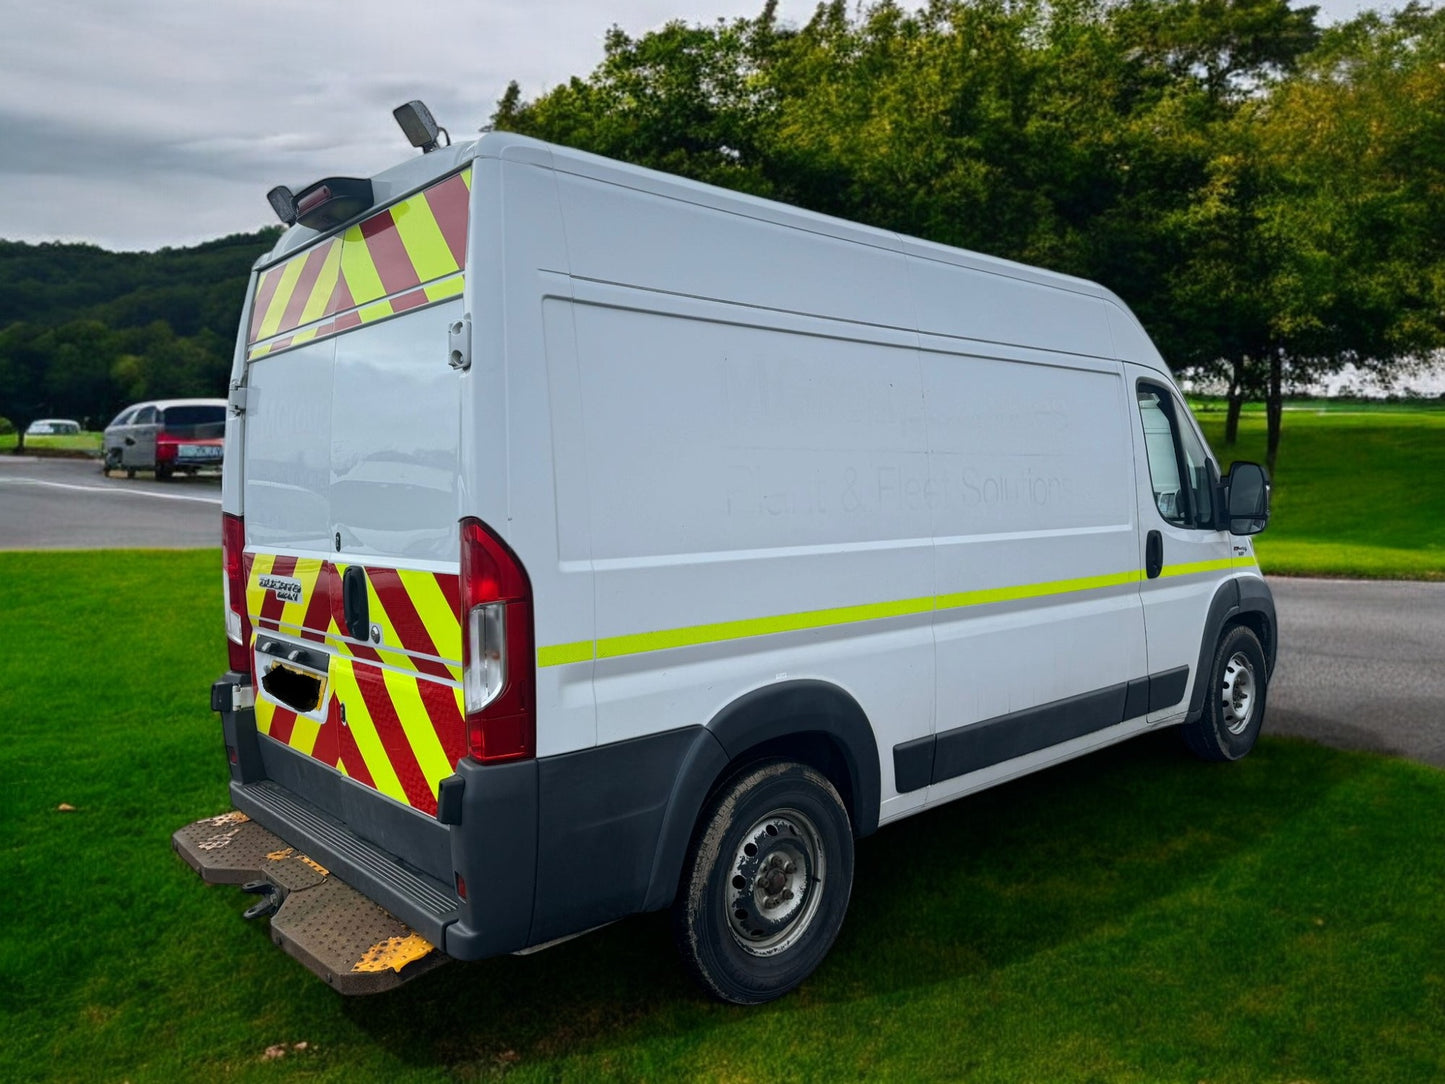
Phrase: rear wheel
(163, 473)
(766, 883)
(1234, 701)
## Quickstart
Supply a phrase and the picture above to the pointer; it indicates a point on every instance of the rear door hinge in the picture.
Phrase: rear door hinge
(459, 344)
(241, 399)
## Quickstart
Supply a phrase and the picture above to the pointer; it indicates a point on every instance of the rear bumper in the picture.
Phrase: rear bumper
(405, 861)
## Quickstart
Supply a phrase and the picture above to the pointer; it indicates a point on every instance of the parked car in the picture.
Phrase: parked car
(52, 427)
(165, 435)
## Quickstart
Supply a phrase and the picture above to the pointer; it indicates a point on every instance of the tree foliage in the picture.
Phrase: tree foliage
(1264, 195)
(84, 331)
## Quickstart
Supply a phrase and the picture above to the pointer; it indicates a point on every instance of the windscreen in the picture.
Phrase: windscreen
(195, 421)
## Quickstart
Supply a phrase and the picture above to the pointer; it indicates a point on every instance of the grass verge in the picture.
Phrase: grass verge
(1136, 916)
(61, 444)
(1356, 492)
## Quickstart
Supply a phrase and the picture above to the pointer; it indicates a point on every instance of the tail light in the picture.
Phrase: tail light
(233, 583)
(499, 672)
(166, 447)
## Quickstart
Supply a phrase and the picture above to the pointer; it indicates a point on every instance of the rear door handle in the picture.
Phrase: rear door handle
(1153, 554)
(353, 602)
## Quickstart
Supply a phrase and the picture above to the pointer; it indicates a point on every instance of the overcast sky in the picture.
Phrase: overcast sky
(142, 123)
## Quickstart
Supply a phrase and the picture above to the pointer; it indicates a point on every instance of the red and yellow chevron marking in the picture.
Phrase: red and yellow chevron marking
(413, 253)
(402, 729)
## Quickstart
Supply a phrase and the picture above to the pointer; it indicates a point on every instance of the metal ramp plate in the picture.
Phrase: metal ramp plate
(355, 945)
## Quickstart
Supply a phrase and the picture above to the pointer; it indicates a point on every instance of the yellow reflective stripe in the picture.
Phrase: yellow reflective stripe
(265, 713)
(637, 643)
(281, 298)
(307, 570)
(261, 565)
(377, 311)
(756, 626)
(1035, 590)
(356, 264)
(304, 733)
(1197, 566)
(377, 612)
(325, 284)
(416, 722)
(467, 178)
(422, 238)
(440, 291)
(558, 654)
(436, 613)
(363, 730)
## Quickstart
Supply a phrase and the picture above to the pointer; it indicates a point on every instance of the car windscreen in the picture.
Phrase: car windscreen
(195, 421)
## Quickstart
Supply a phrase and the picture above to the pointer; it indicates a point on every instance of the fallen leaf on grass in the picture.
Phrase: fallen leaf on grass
(274, 1052)
(65, 807)
(300, 1046)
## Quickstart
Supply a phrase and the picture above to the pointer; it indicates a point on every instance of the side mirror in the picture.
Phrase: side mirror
(1246, 492)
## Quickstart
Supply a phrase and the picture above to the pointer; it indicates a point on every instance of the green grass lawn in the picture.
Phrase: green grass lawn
(71, 442)
(1357, 489)
(1136, 916)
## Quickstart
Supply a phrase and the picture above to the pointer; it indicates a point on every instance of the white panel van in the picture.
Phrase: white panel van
(599, 542)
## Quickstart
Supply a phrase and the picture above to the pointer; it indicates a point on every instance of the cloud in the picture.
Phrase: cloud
(155, 122)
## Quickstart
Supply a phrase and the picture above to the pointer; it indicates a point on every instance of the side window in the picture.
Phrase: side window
(1179, 469)
(145, 416)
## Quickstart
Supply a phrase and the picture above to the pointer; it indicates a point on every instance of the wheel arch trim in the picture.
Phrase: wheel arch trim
(782, 710)
(1240, 599)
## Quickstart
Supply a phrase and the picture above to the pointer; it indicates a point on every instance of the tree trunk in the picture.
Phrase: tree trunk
(1236, 401)
(1274, 408)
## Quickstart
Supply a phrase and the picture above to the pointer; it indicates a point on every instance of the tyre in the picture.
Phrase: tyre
(766, 882)
(163, 472)
(1235, 700)
(110, 462)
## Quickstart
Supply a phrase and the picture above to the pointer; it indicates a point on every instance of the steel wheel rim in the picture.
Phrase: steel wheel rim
(774, 883)
(1237, 693)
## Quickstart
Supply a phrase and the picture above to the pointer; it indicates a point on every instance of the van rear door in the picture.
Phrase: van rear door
(351, 499)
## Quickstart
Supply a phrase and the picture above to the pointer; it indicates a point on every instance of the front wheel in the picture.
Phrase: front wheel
(1234, 702)
(766, 883)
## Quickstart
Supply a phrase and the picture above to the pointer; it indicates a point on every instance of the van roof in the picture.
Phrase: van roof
(417, 172)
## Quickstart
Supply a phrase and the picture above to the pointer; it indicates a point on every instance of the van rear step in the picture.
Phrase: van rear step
(338, 933)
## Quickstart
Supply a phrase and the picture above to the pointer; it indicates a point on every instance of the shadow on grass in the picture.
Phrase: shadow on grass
(960, 891)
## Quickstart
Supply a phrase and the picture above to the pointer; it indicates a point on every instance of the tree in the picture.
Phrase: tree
(22, 377)
(1318, 242)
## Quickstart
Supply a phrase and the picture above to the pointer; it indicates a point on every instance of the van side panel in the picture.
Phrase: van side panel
(523, 398)
(730, 447)
(1031, 486)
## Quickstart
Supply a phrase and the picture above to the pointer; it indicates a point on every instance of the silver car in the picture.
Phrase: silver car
(165, 435)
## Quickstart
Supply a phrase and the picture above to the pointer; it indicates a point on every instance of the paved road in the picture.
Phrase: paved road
(66, 504)
(1361, 664)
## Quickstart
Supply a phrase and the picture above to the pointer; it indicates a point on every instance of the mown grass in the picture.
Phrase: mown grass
(1356, 491)
(67, 442)
(1137, 916)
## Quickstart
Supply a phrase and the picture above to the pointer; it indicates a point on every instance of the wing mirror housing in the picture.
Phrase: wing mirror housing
(1246, 498)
